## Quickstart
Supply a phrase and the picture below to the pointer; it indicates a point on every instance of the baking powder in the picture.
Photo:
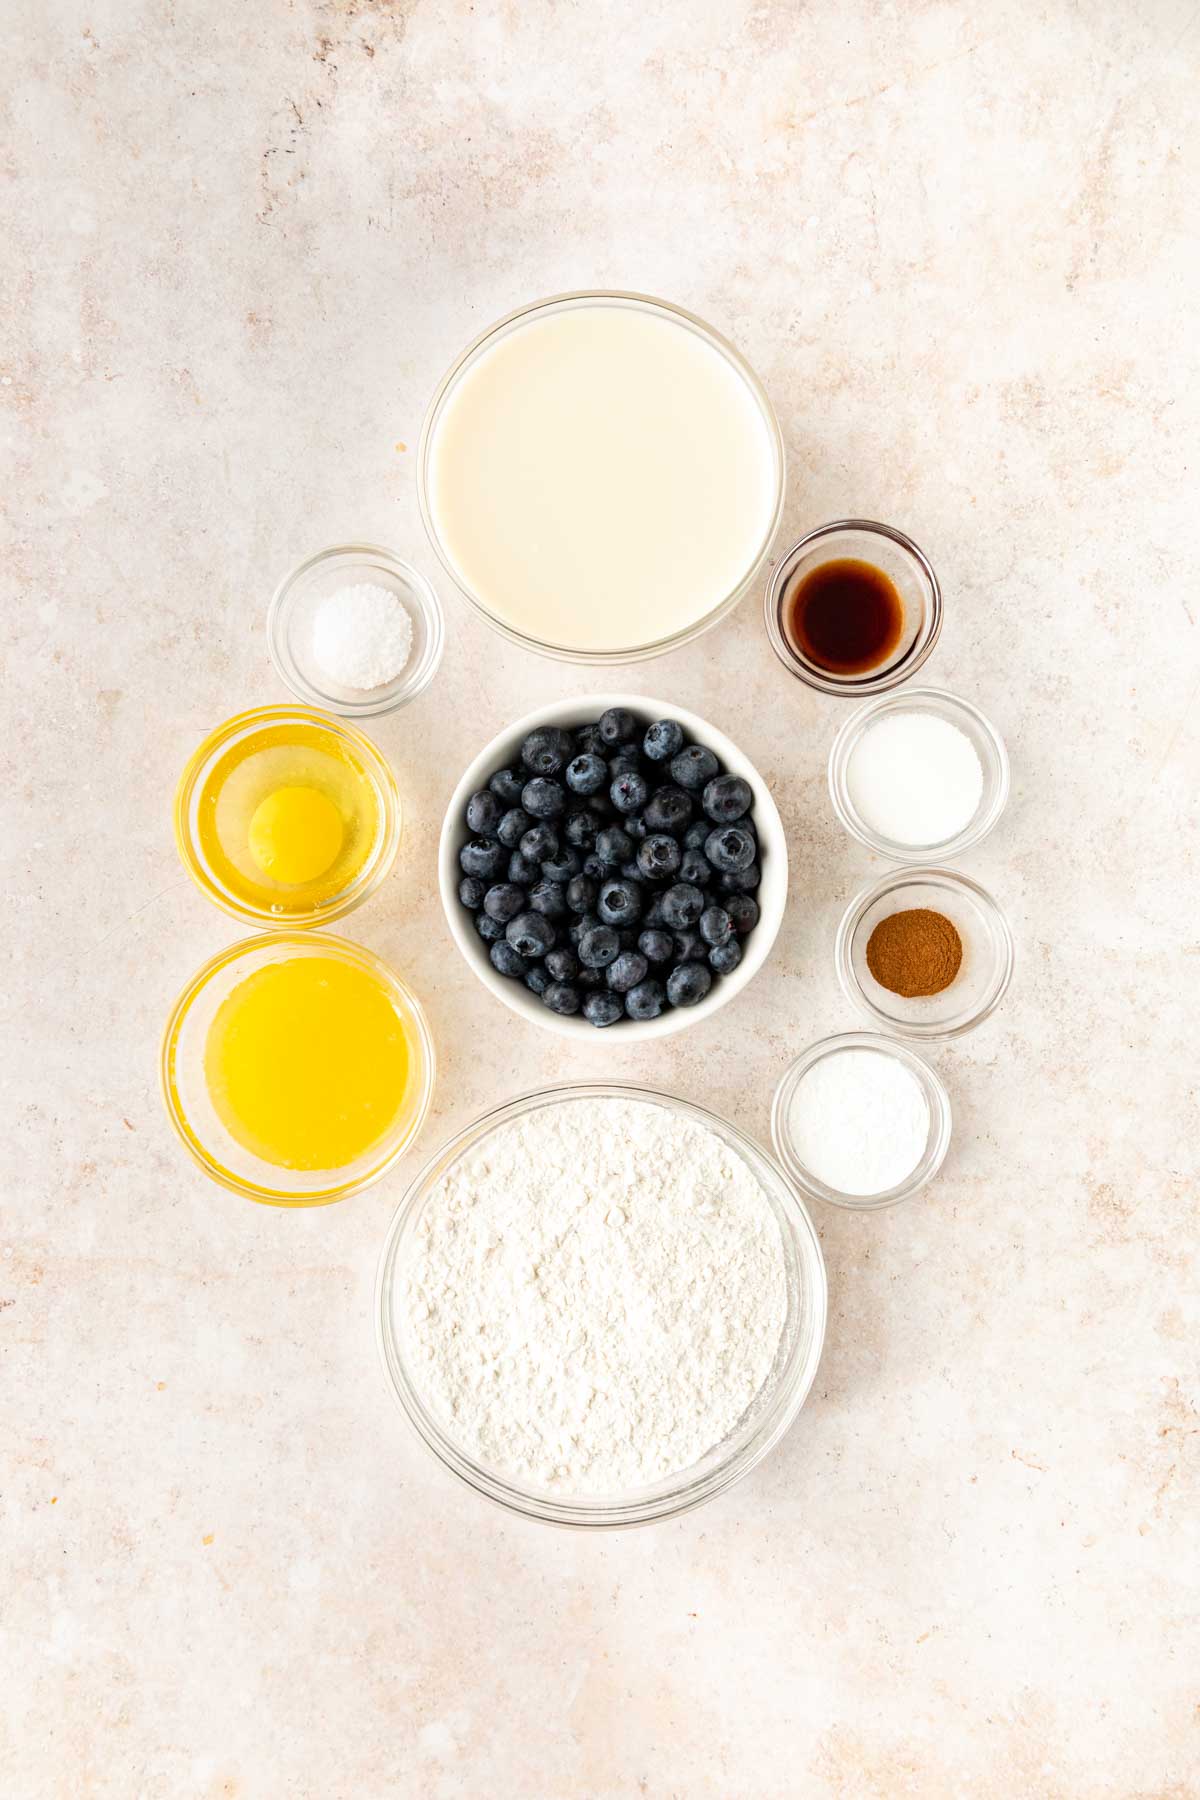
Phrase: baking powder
(859, 1121)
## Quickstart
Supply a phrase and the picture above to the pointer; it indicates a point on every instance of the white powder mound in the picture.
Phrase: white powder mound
(915, 778)
(362, 636)
(598, 1296)
(859, 1121)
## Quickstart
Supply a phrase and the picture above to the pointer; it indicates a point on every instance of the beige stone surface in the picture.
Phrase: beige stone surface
(959, 244)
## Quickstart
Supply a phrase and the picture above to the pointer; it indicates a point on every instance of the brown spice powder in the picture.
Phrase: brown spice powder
(914, 953)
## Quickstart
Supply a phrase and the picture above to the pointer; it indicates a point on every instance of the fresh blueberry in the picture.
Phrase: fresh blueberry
(582, 892)
(726, 798)
(629, 793)
(682, 905)
(588, 979)
(645, 1001)
(546, 897)
(587, 774)
(489, 929)
(513, 826)
(729, 849)
(653, 914)
(716, 926)
(625, 762)
(669, 810)
(481, 857)
(580, 829)
(688, 945)
(530, 935)
(504, 901)
(631, 872)
(602, 1009)
(562, 867)
(583, 924)
(688, 984)
(658, 857)
(562, 998)
(540, 843)
(483, 813)
(693, 767)
(562, 964)
(547, 750)
(588, 741)
(544, 799)
(602, 807)
(694, 836)
(741, 881)
(506, 784)
(657, 946)
(743, 911)
(617, 726)
(522, 870)
(506, 960)
(620, 903)
(625, 973)
(471, 891)
(598, 947)
(696, 868)
(723, 959)
(636, 827)
(537, 980)
(594, 867)
(614, 846)
(663, 739)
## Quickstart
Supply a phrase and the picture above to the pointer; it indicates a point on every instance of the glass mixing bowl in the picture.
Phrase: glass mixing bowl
(761, 1428)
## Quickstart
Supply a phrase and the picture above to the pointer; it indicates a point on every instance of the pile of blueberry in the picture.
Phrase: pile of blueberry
(613, 871)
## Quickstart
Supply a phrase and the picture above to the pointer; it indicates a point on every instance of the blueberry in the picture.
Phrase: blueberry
(588, 741)
(546, 750)
(617, 726)
(602, 807)
(693, 767)
(688, 945)
(587, 774)
(537, 980)
(598, 947)
(589, 978)
(726, 798)
(614, 846)
(658, 857)
(729, 849)
(716, 926)
(504, 901)
(654, 912)
(513, 826)
(625, 762)
(562, 867)
(581, 893)
(629, 793)
(585, 923)
(530, 935)
(483, 813)
(636, 827)
(471, 891)
(595, 867)
(663, 739)
(669, 810)
(506, 784)
(602, 1009)
(696, 868)
(682, 905)
(562, 965)
(657, 946)
(562, 998)
(723, 959)
(743, 881)
(631, 872)
(625, 973)
(489, 929)
(522, 870)
(620, 903)
(743, 911)
(540, 843)
(694, 836)
(688, 984)
(479, 857)
(580, 829)
(645, 1001)
(544, 799)
(546, 897)
(506, 960)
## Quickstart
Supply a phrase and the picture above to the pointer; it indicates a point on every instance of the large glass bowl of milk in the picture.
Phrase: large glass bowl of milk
(602, 476)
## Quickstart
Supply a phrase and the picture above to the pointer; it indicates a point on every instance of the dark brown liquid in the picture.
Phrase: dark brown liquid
(844, 616)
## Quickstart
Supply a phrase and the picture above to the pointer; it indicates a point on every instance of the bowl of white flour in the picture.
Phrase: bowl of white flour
(600, 1305)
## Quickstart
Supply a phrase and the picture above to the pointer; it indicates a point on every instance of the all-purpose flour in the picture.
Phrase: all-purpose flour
(598, 1295)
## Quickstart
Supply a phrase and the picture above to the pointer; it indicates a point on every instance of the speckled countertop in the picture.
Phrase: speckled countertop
(958, 244)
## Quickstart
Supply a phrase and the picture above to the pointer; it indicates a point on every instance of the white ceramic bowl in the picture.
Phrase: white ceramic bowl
(771, 895)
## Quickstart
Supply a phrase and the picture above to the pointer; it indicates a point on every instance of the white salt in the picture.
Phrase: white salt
(362, 636)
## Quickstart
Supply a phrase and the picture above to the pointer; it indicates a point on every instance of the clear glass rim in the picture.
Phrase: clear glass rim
(585, 296)
(912, 699)
(923, 874)
(678, 1494)
(940, 1121)
(370, 876)
(853, 686)
(407, 686)
(346, 951)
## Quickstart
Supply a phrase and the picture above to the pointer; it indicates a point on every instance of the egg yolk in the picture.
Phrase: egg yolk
(295, 835)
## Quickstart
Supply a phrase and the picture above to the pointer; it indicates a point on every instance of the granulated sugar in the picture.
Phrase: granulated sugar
(362, 636)
(915, 778)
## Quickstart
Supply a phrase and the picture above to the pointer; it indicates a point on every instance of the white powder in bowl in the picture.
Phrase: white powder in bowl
(915, 778)
(859, 1121)
(362, 636)
(597, 1295)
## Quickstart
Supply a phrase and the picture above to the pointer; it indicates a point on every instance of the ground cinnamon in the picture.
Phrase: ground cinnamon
(914, 953)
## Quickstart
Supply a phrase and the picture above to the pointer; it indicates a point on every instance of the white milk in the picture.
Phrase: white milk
(602, 478)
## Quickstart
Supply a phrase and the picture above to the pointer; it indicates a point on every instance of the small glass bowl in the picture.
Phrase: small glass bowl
(939, 1121)
(906, 566)
(191, 1111)
(290, 628)
(987, 964)
(187, 810)
(772, 1413)
(989, 747)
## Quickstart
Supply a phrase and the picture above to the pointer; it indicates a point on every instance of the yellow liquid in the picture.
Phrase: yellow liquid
(287, 818)
(308, 1063)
